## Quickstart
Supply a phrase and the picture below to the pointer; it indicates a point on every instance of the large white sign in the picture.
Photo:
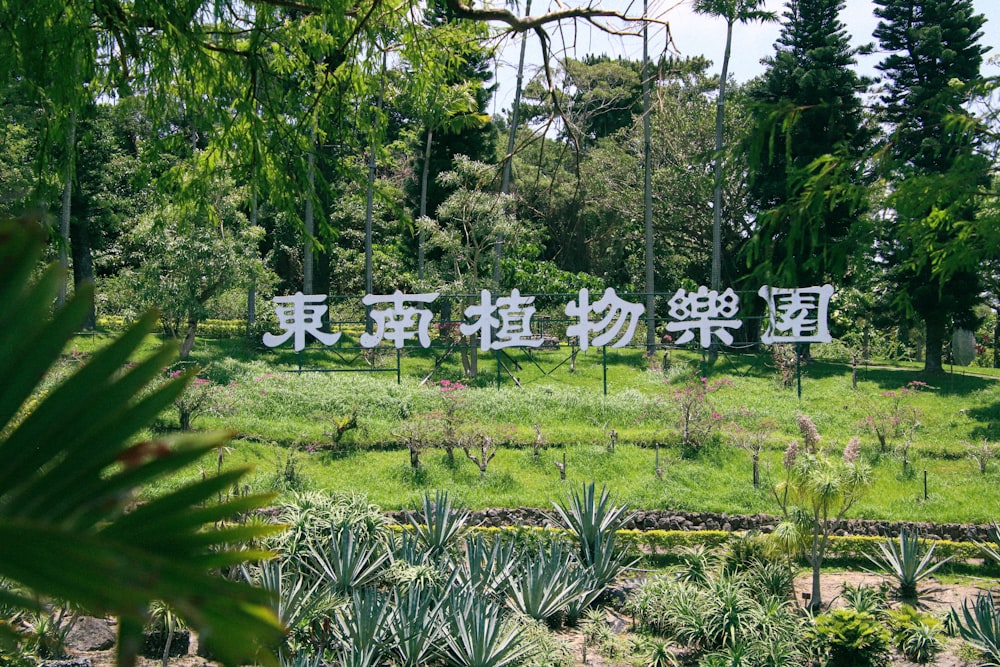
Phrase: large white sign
(794, 315)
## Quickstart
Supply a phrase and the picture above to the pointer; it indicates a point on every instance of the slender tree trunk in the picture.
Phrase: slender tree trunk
(188, 343)
(67, 196)
(996, 339)
(83, 264)
(307, 256)
(423, 201)
(252, 286)
(647, 190)
(720, 117)
(816, 560)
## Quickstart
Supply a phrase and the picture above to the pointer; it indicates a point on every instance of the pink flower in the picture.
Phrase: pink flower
(852, 450)
(791, 453)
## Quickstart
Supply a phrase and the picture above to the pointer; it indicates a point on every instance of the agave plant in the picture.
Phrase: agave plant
(363, 630)
(591, 519)
(415, 626)
(908, 564)
(72, 468)
(980, 626)
(992, 551)
(347, 563)
(295, 602)
(478, 634)
(440, 523)
(546, 583)
(486, 568)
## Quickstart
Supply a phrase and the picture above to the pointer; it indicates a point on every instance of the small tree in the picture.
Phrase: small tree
(750, 434)
(480, 449)
(816, 493)
(696, 415)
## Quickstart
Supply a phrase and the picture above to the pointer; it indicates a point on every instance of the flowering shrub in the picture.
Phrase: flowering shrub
(697, 416)
(892, 416)
(449, 418)
(201, 397)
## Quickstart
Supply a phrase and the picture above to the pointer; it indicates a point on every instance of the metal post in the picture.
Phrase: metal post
(299, 355)
(604, 362)
(798, 368)
(497, 355)
(925, 485)
(399, 355)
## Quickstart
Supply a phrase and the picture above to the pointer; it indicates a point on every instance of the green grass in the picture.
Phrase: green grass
(277, 413)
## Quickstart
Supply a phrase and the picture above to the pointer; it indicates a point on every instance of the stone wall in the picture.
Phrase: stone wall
(677, 520)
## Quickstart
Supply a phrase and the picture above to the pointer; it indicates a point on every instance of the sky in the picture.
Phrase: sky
(695, 34)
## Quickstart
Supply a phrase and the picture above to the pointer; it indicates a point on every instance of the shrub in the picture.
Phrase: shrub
(908, 564)
(916, 634)
(850, 638)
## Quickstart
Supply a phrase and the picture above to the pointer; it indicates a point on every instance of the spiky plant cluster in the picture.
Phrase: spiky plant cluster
(725, 614)
(353, 591)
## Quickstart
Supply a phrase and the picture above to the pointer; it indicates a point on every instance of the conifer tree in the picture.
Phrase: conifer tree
(808, 142)
(931, 70)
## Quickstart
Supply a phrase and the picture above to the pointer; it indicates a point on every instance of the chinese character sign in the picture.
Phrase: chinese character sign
(796, 315)
(399, 322)
(302, 316)
(512, 329)
(619, 312)
(706, 312)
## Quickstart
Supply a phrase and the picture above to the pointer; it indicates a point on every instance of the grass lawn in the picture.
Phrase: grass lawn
(285, 423)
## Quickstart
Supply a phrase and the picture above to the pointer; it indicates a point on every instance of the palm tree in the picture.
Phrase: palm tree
(744, 11)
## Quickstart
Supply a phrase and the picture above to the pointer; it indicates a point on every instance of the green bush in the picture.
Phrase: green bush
(851, 638)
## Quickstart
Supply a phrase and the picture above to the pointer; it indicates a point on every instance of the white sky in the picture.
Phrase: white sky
(695, 34)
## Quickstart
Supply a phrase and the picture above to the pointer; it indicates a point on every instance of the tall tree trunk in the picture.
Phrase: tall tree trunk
(423, 202)
(720, 117)
(83, 264)
(934, 344)
(252, 285)
(67, 196)
(307, 251)
(647, 190)
(188, 343)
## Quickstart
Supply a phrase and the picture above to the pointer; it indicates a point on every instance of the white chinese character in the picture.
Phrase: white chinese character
(796, 315)
(397, 322)
(618, 310)
(513, 327)
(303, 316)
(704, 310)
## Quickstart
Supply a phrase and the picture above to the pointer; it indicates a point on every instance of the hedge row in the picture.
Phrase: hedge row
(667, 541)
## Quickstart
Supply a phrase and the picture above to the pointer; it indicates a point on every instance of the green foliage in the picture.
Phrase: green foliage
(73, 467)
(346, 562)
(546, 583)
(932, 267)
(440, 525)
(593, 520)
(806, 150)
(908, 564)
(851, 638)
(870, 599)
(917, 635)
(479, 635)
(979, 625)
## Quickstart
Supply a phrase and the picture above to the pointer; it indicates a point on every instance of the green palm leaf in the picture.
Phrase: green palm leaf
(70, 471)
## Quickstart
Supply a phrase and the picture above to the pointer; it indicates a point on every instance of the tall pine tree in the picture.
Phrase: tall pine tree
(806, 151)
(933, 62)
